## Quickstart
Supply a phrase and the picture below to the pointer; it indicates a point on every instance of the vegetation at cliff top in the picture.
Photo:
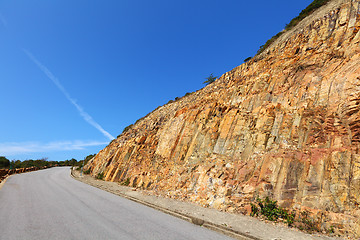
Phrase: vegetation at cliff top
(304, 13)
(210, 79)
(247, 59)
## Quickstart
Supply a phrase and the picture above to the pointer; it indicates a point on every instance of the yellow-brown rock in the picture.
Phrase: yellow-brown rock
(286, 124)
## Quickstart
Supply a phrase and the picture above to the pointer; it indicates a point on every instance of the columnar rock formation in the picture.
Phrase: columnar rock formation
(286, 125)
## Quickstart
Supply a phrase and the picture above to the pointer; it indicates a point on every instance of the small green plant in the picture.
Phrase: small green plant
(331, 229)
(100, 176)
(271, 211)
(254, 210)
(308, 224)
(87, 171)
(126, 182)
(210, 79)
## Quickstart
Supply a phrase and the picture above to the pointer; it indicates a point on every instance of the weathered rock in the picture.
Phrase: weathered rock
(285, 124)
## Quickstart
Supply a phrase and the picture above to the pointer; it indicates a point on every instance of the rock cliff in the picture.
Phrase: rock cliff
(286, 125)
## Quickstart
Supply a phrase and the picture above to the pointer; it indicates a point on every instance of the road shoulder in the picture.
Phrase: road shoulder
(4, 181)
(233, 225)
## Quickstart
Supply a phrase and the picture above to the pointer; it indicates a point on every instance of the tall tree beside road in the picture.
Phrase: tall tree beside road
(4, 162)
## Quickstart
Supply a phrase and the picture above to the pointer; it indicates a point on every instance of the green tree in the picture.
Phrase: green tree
(16, 164)
(73, 162)
(4, 162)
(210, 79)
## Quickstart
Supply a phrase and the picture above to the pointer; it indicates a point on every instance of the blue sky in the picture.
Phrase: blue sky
(75, 73)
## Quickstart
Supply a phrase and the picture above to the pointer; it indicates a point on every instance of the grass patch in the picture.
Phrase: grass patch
(270, 210)
(126, 182)
(100, 176)
(308, 224)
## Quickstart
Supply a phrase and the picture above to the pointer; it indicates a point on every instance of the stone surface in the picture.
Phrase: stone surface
(286, 124)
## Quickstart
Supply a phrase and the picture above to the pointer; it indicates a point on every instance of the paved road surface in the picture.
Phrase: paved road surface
(49, 204)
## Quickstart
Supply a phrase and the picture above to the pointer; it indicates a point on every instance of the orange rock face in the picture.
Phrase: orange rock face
(286, 125)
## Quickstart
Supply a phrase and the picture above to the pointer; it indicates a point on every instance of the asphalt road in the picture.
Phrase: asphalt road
(49, 204)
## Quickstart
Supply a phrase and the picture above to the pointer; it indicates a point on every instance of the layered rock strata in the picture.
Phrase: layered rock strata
(286, 125)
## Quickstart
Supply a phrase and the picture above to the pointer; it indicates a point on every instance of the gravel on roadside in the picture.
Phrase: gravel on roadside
(233, 225)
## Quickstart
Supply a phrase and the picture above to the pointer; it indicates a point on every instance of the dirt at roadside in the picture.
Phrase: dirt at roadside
(234, 225)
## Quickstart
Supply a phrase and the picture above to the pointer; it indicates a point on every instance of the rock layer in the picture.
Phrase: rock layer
(286, 125)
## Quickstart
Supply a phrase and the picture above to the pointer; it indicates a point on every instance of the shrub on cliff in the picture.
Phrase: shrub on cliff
(100, 176)
(271, 211)
(247, 59)
(210, 79)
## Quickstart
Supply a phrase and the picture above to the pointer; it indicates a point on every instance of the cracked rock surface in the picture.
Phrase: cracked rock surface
(285, 124)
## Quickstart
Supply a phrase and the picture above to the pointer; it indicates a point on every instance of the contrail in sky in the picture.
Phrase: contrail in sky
(84, 114)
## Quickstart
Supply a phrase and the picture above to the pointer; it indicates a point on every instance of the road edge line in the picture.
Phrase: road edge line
(200, 222)
(3, 181)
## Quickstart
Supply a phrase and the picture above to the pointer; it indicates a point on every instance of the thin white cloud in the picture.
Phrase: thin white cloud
(3, 20)
(15, 148)
(84, 114)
